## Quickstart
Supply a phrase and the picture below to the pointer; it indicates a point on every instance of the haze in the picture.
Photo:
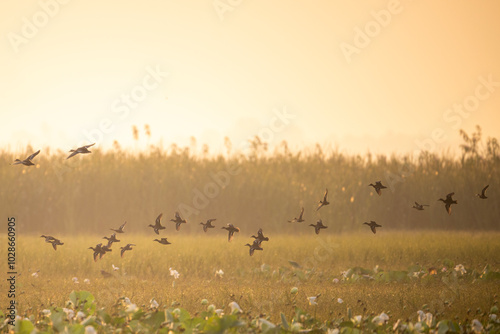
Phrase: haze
(236, 67)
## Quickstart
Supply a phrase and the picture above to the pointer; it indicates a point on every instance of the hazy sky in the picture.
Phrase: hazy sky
(379, 75)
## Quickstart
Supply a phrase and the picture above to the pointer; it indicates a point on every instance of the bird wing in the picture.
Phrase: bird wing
(449, 195)
(316, 229)
(33, 155)
(177, 215)
(122, 226)
(87, 146)
(205, 228)
(484, 189)
(123, 251)
(73, 154)
(373, 229)
(156, 230)
(320, 205)
(448, 208)
(326, 194)
(178, 226)
(54, 245)
(301, 213)
(158, 218)
(230, 236)
(379, 192)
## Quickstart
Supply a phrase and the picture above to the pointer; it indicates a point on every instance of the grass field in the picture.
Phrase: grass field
(262, 284)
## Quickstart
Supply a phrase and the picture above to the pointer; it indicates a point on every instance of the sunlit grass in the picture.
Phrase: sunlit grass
(262, 283)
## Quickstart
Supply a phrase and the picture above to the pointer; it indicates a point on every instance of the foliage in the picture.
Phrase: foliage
(79, 318)
(79, 194)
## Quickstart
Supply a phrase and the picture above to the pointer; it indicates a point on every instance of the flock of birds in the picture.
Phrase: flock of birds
(100, 250)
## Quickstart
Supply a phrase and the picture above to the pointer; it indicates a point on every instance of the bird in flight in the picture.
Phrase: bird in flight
(98, 251)
(55, 242)
(255, 246)
(448, 202)
(178, 221)
(231, 229)
(482, 195)
(126, 248)
(373, 225)
(207, 225)
(27, 161)
(157, 226)
(324, 201)
(378, 187)
(163, 241)
(83, 150)
(319, 225)
(298, 220)
(111, 239)
(120, 229)
(260, 236)
(419, 207)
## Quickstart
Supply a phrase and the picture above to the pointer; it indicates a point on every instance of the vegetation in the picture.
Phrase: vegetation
(261, 188)
(453, 276)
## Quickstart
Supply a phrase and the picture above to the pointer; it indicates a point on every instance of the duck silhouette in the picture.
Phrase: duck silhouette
(82, 150)
(27, 161)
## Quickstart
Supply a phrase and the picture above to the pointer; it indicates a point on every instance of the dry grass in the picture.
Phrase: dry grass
(262, 283)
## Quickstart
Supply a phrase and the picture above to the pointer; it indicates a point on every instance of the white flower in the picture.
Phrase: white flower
(344, 274)
(421, 315)
(114, 267)
(493, 317)
(75, 280)
(332, 331)
(375, 270)
(80, 315)
(90, 330)
(153, 303)
(418, 327)
(219, 312)
(131, 308)
(335, 280)
(87, 281)
(235, 307)
(174, 273)
(460, 268)
(46, 312)
(264, 324)
(35, 274)
(477, 327)
(381, 319)
(340, 301)
(428, 319)
(219, 273)
(126, 301)
(69, 313)
(357, 319)
(312, 300)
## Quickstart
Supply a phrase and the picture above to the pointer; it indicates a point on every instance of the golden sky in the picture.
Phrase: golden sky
(383, 76)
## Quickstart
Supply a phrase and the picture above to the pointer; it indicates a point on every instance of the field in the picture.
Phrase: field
(261, 285)
(418, 261)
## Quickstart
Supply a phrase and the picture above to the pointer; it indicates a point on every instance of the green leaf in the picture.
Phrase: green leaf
(442, 327)
(24, 327)
(284, 322)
